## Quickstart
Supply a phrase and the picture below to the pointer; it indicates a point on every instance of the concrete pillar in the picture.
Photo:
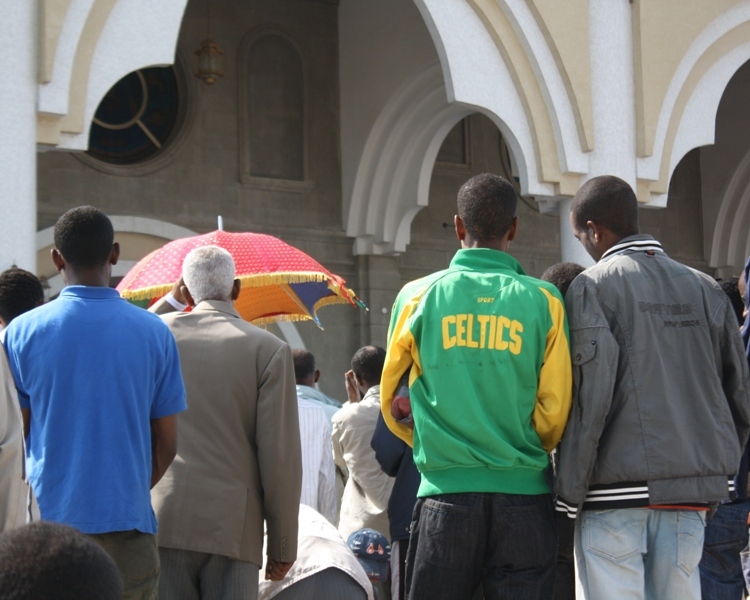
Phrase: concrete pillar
(379, 283)
(613, 103)
(18, 89)
(612, 90)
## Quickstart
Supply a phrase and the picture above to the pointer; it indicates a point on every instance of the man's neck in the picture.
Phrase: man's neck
(97, 277)
(501, 245)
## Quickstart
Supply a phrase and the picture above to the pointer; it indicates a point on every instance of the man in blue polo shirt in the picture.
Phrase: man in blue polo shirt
(99, 385)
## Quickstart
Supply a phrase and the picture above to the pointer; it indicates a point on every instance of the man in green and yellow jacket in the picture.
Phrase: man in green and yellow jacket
(487, 352)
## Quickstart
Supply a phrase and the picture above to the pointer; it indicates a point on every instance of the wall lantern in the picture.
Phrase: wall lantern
(209, 56)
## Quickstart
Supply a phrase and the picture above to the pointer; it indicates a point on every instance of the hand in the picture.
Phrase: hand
(401, 411)
(177, 291)
(352, 389)
(277, 570)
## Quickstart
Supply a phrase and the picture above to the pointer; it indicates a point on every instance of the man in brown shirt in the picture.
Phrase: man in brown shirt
(238, 463)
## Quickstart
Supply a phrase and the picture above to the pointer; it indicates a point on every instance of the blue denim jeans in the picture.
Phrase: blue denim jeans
(639, 553)
(504, 542)
(721, 568)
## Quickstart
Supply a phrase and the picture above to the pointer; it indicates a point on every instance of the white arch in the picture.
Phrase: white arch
(54, 96)
(558, 102)
(127, 42)
(734, 217)
(476, 76)
(393, 176)
(697, 124)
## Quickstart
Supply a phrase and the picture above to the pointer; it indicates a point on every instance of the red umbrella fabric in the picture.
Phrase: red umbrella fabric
(279, 282)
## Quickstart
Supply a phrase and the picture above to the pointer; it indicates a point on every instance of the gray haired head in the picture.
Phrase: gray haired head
(208, 273)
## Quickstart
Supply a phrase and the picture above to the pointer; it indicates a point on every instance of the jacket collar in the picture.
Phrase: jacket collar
(217, 305)
(485, 259)
(641, 242)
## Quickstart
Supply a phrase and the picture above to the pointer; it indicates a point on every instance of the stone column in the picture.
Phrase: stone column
(613, 104)
(379, 283)
(18, 89)
(612, 90)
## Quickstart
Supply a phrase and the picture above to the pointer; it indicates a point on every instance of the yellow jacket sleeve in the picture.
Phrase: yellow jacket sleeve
(401, 355)
(555, 390)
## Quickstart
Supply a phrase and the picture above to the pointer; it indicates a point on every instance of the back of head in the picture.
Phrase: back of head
(47, 560)
(304, 366)
(607, 201)
(487, 206)
(208, 273)
(84, 236)
(20, 291)
(367, 364)
(562, 275)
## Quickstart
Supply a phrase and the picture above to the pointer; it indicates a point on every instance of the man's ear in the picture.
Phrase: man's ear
(316, 376)
(360, 382)
(596, 229)
(513, 229)
(57, 259)
(236, 288)
(460, 229)
(114, 254)
(188, 297)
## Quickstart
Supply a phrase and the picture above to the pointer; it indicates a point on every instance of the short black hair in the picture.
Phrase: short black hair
(731, 289)
(304, 364)
(49, 560)
(487, 206)
(20, 291)
(607, 201)
(367, 364)
(562, 275)
(84, 236)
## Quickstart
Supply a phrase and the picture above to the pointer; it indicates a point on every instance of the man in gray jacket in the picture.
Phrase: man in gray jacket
(661, 405)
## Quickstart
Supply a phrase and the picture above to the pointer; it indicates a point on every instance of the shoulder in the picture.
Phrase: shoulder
(540, 287)
(346, 413)
(140, 315)
(34, 322)
(414, 289)
(135, 318)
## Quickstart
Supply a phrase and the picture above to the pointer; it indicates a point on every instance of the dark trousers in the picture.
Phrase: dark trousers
(565, 570)
(720, 566)
(504, 542)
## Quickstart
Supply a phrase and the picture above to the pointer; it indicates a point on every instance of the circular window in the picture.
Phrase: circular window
(138, 118)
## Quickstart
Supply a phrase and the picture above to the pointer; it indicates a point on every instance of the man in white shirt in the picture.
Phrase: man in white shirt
(368, 489)
(318, 470)
(319, 484)
(307, 374)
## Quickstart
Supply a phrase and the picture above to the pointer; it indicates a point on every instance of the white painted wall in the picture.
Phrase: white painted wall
(18, 87)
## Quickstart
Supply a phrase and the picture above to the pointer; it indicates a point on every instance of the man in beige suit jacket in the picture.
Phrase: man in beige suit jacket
(238, 461)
